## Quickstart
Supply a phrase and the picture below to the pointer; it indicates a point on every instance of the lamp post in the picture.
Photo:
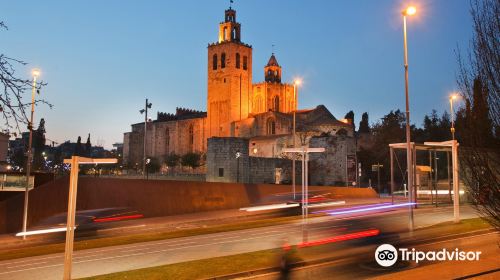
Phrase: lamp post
(452, 98)
(145, 112)
(35, 74)
(295, 99)
(408, 12)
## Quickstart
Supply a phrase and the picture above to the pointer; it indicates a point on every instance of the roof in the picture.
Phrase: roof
(272, 61)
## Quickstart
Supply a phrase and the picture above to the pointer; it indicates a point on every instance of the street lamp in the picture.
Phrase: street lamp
(296, 83)
(35, 73)
(145, 110)
(452, 98)
(408, 12)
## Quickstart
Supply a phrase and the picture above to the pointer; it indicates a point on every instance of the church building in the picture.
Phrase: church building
(261, 112)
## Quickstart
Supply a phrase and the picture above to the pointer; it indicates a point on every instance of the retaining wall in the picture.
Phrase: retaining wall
(150, 197)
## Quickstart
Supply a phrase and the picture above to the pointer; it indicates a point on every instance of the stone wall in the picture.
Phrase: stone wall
(164, 137)
(150, 197)
(222, 164)
(329, 168)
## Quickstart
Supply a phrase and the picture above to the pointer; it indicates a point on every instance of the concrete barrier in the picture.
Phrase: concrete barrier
(151, 197)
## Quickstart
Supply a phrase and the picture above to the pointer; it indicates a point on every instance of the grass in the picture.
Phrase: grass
(207, 268)
(136, 238)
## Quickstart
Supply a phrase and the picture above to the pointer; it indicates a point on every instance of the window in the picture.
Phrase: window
(224, 34)
(271, 127)
(221, 172)
(191, 138)
(238, 60)
(276, 103)
(214, 62)
(223, 60)
(245, 62)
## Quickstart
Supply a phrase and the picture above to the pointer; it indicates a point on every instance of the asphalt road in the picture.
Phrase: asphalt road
(148, 254)
(364, 267)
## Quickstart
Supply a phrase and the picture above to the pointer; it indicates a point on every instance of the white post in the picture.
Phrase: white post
(70, 224)
(456, 190)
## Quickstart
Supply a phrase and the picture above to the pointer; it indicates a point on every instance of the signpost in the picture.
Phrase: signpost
(75, 162)
(376, 167)
(305, 185)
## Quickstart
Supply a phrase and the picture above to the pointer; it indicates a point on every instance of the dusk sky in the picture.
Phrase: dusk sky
(101, 59)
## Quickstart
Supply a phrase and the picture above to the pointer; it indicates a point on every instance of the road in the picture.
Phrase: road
(148, 254)
(488, 267)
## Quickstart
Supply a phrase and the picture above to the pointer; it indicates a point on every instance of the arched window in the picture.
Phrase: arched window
(167, 141)
(271, 127)
(224, 36)
(238, 60)
(223, 60)
(191, 138)
(214, 62)
(233, 34)
(245, 62)
(276, 103)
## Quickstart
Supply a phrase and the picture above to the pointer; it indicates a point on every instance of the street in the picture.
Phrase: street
(148, 254)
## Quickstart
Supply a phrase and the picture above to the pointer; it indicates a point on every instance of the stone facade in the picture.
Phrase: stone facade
(330, 167)
(224, 166)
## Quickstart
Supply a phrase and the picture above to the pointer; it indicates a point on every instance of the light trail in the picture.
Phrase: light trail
(380, 207)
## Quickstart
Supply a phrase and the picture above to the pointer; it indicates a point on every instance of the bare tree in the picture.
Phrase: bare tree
(478, 124)
(14, 88)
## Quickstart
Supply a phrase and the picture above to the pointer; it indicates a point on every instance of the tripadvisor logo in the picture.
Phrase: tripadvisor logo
(387, 255)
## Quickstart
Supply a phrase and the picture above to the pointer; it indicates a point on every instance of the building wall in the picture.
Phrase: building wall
(264, 94)
(183, 136)
(222, 164)
(330, 167)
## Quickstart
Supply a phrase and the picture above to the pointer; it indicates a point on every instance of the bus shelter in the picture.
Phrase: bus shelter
(425, 177)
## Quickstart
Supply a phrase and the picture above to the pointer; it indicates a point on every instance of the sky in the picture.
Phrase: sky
(101, 59)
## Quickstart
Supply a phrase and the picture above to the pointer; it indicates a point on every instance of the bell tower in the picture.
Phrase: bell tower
(229, 82)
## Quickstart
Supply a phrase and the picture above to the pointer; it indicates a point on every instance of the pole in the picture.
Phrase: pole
(436, 176)
(294, 136)
(392, 174)
(237, 169)
(28, 163)
(303, 186)
(145, 133)
(408, 140)
(452, 121)
(306, 184)
(456, 194)
(70, 224)
(378, 179)
(448, 169)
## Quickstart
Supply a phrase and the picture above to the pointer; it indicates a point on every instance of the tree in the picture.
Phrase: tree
(172, 160)
(191, 160)
(364, 126)
(39, 146)
(350, 116)
(13, 107)
(479, 84)
(88, 147)
(154, 165)
(78, 147)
